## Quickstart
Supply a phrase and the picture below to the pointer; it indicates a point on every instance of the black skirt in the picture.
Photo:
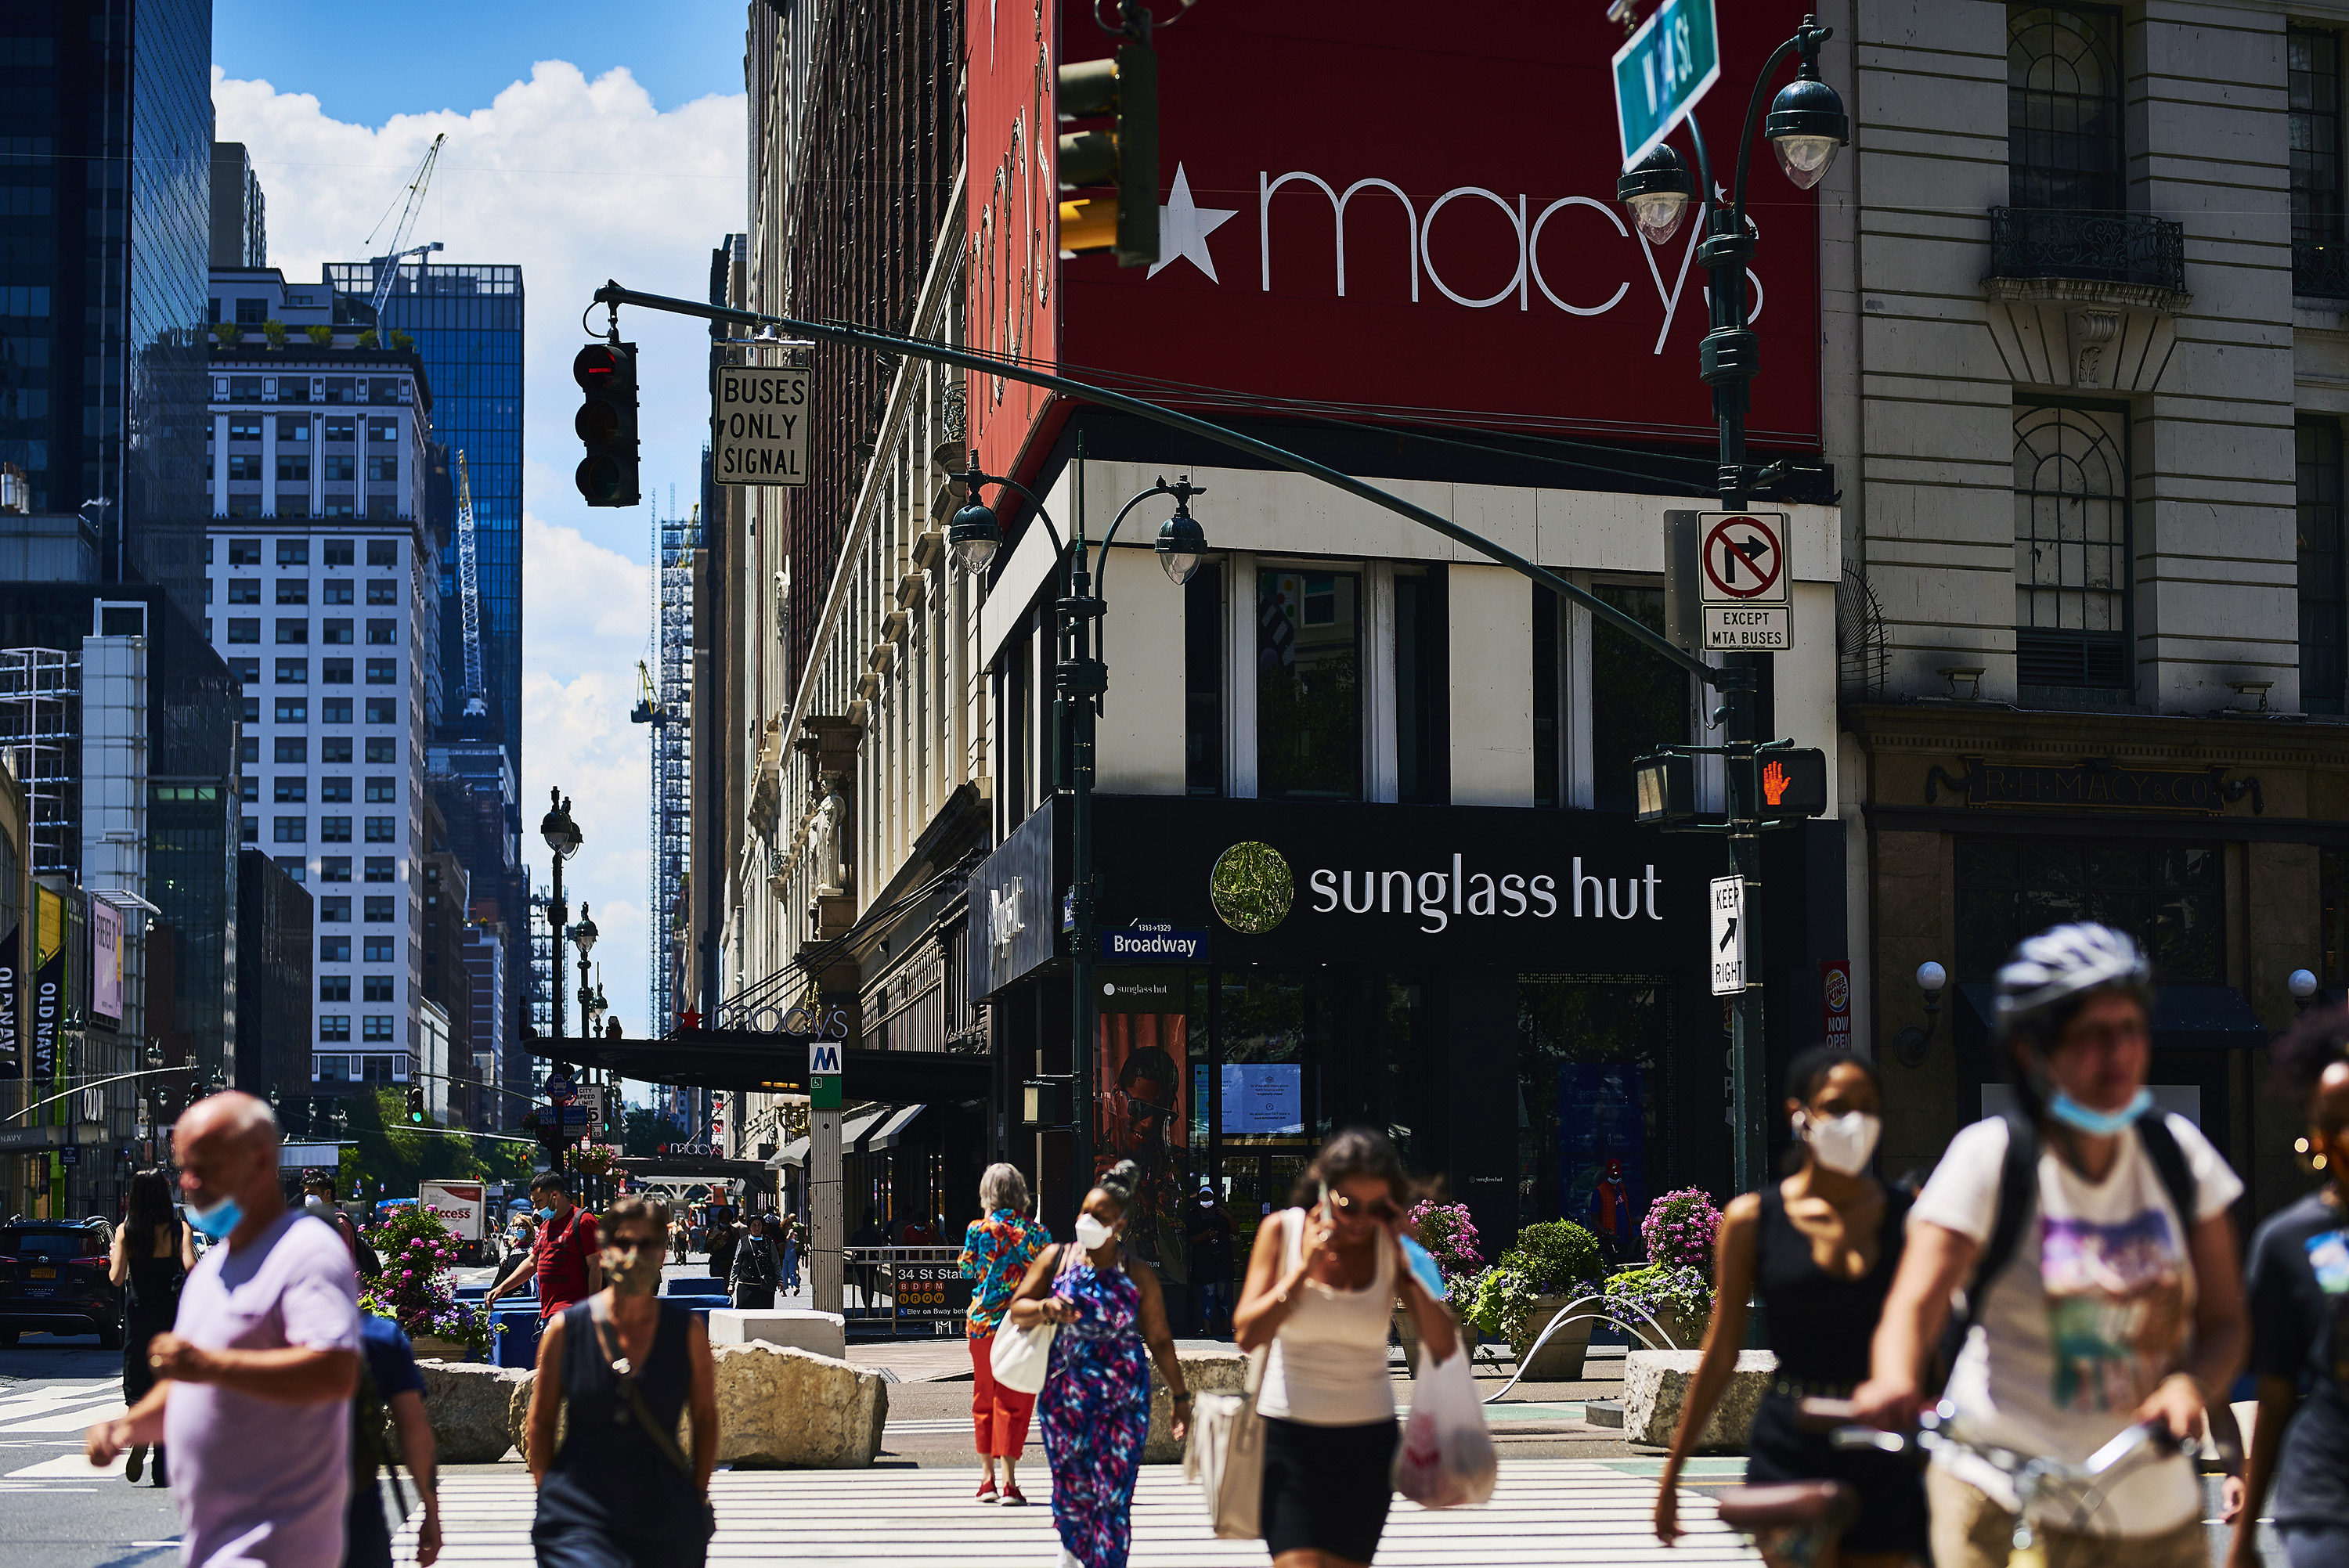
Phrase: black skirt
(1326, 1489)
(1891, 1489)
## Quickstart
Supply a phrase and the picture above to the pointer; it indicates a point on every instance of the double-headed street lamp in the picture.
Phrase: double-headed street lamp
(1807, 124)
(1079, 681)
(563, 839)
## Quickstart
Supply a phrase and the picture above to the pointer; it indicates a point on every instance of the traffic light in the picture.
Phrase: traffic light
(1123, 90)
(606, 423)
(415, 1105)
(1793, 783)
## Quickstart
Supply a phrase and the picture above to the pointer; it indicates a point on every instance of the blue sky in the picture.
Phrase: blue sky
(366, 63)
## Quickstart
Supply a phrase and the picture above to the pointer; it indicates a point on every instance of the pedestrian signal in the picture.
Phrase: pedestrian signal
(1793, 783)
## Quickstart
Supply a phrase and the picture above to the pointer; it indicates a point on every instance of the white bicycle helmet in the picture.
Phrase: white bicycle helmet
(2064, 962)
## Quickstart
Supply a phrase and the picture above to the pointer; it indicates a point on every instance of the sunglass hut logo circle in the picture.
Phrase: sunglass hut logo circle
(1252, 888)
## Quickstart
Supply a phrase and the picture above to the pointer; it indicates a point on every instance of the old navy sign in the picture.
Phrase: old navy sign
(1446, 249)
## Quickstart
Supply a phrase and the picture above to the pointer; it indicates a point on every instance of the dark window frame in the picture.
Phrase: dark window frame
(2066, 125)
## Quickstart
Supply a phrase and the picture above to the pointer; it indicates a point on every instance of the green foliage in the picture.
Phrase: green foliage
(229, 334)
(646, 1131)
(414, 1288)
(368, 340)
(1661, 1286)
(393, 1156)
(1450, 1237)
(1498, 1300)
(1558, 1255)
(321, 336)
(401, 341)
(1252, 888)
(275, 332)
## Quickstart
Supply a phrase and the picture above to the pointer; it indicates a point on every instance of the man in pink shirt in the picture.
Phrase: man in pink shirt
(254, 1382)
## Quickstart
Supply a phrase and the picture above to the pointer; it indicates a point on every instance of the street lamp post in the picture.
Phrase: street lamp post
(1807, 125)
(1079, 680)
(563, 838)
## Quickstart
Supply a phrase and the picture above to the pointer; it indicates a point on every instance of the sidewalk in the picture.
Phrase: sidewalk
(1558, 1513)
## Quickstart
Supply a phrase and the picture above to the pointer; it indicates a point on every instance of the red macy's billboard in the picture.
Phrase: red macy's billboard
(1376, 209)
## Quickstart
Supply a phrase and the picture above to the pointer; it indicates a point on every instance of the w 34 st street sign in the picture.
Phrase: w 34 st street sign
(1661, 71)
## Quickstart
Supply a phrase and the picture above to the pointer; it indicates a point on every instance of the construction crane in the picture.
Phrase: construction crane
(649, 709)
(476, 697)
(386, 267)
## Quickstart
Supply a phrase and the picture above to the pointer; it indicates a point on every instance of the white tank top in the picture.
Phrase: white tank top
(1328, 1365)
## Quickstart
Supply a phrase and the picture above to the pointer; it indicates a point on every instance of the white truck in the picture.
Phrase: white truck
(464, 1208)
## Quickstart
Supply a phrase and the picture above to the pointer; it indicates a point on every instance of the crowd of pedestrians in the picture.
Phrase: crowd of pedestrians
(2068, 1270)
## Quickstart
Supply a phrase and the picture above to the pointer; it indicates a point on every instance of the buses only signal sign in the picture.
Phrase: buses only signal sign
(759, 417)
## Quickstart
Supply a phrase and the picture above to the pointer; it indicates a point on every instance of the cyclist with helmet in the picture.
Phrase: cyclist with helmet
(2091, 1236)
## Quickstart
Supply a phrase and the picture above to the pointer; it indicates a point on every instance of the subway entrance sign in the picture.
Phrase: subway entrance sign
(823, 1074)
(758, 418)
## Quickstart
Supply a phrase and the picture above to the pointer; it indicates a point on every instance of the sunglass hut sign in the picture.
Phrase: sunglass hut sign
(1255, 889)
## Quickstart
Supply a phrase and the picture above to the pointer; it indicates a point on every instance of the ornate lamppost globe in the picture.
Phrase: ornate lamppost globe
(975, 535)
(1806, 126)
(1181, 544)
(1657, 190)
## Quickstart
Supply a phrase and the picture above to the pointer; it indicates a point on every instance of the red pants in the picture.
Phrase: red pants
(999, 1416)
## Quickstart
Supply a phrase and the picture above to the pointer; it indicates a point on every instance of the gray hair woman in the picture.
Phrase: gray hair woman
(996, 1252)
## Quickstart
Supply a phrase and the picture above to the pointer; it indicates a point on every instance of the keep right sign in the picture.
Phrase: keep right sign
(1746, 582)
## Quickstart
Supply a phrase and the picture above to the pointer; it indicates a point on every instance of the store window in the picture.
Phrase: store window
(1203, 681)
(2072, 548)
(1274, 1031)
(1639, 699)
(2064, 149)
(2171, 897)
(1309, 689)
(1423, 687)
(2323, 615)
(1593, 1135)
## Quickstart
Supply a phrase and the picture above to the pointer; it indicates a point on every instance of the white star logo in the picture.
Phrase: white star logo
(1182, 229)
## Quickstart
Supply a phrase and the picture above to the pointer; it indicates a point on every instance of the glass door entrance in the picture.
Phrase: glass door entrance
(1594, 1133)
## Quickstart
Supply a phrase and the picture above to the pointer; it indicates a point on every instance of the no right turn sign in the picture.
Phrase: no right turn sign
(1746, 582)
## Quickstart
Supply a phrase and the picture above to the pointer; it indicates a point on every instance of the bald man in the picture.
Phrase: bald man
(255, 1379)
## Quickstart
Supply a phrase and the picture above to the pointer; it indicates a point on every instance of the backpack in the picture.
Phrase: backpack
(2018, 1188)
(372, 1445)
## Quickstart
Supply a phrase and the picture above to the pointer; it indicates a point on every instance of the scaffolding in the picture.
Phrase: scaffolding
(667, 707)
(40, 726)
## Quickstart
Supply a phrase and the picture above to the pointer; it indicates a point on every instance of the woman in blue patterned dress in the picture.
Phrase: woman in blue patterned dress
(1095, 1406)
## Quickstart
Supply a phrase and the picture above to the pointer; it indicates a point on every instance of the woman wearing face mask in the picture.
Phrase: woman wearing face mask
(1095, 1406)
(2090, 1234)
(1820, 1248)
(620, 1493)
(1322, 1286)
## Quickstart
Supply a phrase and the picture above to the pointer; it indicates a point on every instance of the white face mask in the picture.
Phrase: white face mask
(1843, 1144)
(1092, 1234)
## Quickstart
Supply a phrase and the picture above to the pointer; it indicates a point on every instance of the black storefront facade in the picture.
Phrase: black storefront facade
(1518, 996)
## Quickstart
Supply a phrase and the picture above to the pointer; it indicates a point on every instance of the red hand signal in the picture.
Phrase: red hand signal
(1773, 783)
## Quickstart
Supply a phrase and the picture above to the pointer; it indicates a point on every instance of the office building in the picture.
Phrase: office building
(467, 326)
(240, 228)
(105, 160)
(274, 969)
(323, 600)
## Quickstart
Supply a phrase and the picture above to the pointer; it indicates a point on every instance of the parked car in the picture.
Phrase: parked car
(53, 1278)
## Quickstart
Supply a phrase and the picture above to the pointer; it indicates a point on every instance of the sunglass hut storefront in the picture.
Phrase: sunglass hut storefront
(1518, 997)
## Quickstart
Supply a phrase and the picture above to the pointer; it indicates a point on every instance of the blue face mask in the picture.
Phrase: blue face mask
(546, 1213)
(2099, 1123)
(219, 1220)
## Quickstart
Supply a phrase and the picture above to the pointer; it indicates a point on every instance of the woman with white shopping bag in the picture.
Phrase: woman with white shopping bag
(1321, 1283)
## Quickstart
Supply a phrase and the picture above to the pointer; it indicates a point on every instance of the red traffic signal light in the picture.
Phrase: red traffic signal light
(1793, 783)
(606, 423)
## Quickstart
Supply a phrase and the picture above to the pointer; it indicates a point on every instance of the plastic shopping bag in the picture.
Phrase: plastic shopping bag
(1447, 1458)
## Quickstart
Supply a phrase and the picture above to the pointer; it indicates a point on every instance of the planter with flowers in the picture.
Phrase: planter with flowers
(596, 1159)
(1675, 1286)
(414, 1290)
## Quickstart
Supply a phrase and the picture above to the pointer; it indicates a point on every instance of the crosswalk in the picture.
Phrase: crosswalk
(59, 1406)
(1559, 1513)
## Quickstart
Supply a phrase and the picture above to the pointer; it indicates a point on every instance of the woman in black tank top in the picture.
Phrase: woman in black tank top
(1819, 1249)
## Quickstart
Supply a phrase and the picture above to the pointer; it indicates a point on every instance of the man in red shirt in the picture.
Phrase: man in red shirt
(566, 1257)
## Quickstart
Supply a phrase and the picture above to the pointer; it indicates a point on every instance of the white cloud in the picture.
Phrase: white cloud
(576, 182)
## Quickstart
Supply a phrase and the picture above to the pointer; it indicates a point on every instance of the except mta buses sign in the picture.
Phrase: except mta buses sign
(759, 424)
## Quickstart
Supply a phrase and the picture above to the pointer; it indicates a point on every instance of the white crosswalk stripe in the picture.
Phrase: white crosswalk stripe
(1558, 1513)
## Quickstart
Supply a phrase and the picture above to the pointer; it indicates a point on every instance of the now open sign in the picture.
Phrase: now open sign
(759, 417)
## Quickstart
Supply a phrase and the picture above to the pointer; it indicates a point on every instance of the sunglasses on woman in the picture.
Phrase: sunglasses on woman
(1382, 1210)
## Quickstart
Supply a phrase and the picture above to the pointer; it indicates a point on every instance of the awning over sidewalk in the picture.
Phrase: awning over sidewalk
(887, 1134)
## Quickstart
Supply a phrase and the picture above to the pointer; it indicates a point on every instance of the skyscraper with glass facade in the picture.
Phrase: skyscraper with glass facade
(104, 220)
(467, 322)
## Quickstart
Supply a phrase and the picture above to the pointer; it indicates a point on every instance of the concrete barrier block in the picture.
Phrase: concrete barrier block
(470, 1408)
(1204, 1372)
(783, 1406)
(822, 1332)
(1656, 1385)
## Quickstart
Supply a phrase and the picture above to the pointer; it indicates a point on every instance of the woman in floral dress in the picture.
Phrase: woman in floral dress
(1095, 1404)
(996, 1252)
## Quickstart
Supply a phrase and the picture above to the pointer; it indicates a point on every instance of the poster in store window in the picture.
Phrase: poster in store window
(1141, 1042)
(1601, 1149)
(106, 963)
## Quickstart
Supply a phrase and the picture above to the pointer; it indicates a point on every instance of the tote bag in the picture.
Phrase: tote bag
(1022, 1357)
(1227, 1456)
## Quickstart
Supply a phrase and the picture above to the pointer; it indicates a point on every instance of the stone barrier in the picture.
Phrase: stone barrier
(1656, 1385)
(1204, 1372)
(822, 1332)
(469, 1407)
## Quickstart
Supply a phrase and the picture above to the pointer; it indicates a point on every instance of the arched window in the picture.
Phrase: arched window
(2071, 547)
(2063, 108)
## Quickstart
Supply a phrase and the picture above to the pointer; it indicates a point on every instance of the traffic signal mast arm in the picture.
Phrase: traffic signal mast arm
(612, 294)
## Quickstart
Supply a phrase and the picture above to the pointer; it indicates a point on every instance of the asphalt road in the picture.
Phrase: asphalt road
(60, 1512)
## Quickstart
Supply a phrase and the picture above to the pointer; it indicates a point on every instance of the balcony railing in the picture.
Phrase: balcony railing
(2101, 247)
(2320, 269)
